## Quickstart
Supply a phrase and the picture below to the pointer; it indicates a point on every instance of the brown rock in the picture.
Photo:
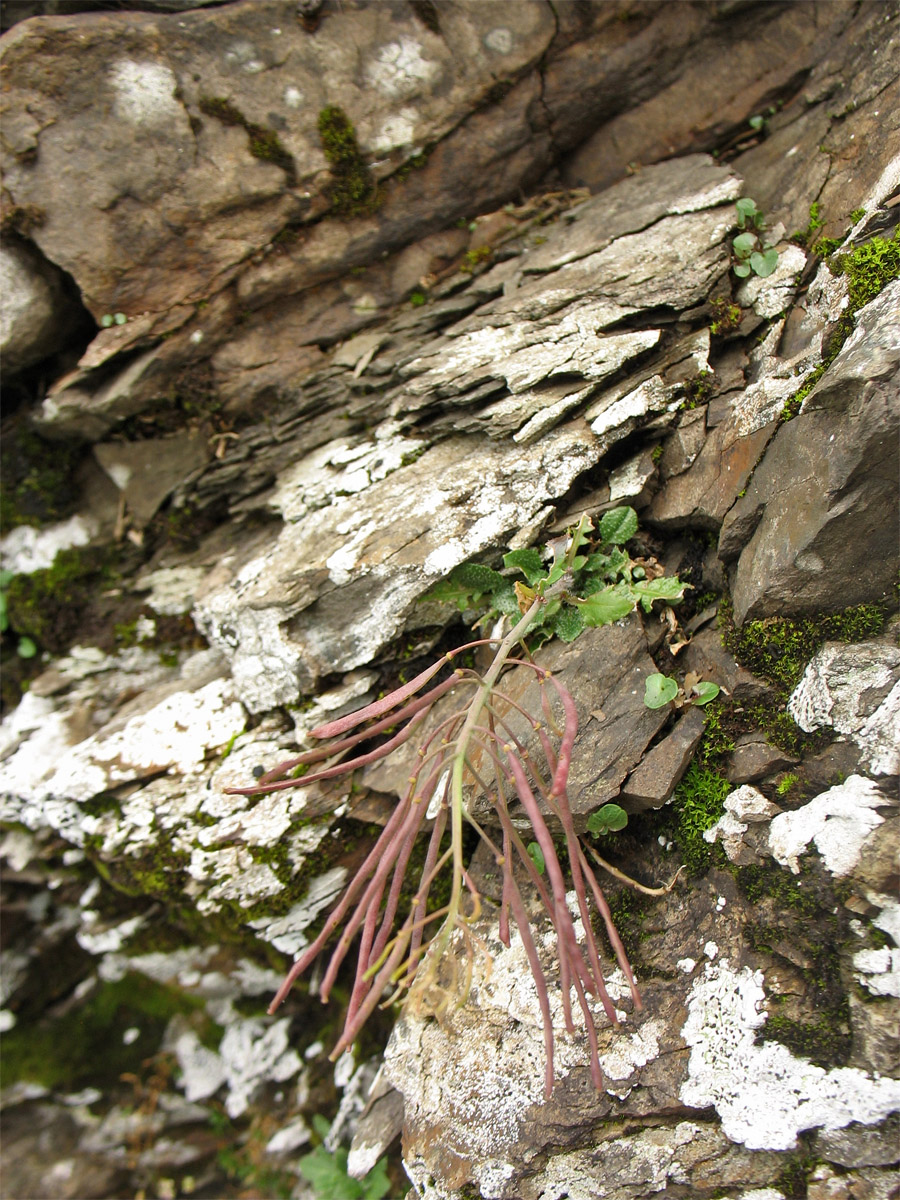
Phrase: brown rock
(655, 779)
(753, 759)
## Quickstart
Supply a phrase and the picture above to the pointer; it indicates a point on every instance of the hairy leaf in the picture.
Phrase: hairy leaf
(618, 525)
(567, 624)
(705, 691)
(529, 562)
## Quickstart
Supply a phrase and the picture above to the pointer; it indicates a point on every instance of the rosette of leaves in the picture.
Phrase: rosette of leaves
(603, 582)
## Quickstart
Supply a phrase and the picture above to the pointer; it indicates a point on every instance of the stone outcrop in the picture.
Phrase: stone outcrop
(308, 417)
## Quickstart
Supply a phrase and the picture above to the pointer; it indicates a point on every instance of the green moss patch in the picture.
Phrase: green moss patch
(265, 143)
(779, 649)
(35, 478)
(49, 605)
(86, 1047)
(353, 192)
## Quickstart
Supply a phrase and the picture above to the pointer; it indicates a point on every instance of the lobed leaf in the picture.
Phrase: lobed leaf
(665, 587)
(608, 819)
(602, 608)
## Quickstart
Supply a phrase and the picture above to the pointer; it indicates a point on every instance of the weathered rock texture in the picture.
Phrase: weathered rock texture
(307, 419)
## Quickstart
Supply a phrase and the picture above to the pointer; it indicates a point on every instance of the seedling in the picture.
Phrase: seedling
(752, 253)
(660, 690)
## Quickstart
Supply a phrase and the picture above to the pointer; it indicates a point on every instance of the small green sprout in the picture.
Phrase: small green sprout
(26, 647)
(328, 1172)
(109, 319)
(660, 690)
(752, 253)
(608, 819)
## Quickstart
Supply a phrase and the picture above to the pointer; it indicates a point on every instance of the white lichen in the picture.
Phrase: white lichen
(837, 822)
(764, 1095)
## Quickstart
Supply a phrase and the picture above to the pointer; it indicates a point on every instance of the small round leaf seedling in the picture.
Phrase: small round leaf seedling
(608, 819)
(659, 690)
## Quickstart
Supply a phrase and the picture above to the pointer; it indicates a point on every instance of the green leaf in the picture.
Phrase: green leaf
(666, 587)
(756, 123)
(26, 648)
(764, 263)
(529, 562)
(744, 244)
(477, 577)
(537, 857)
(451, 591)
(705, 691)
(578, 538)
(120, 318)
(659, 690)
(746, 210)
(376, 1184)
(327, 1173)
(617, 526)
(567, 624)
(607, 606)
(4, 618)
(608, 819)
(106, 320)
(505, 601)
(742, 270)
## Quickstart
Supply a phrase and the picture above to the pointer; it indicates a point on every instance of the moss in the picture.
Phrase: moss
(48, 605)
(474, 258)
(264, 143)
(780, 649)
(35, 478)
(277, 857)
(353, 192)
(697, 391)
(824, 1041)
(726, 316)
(793, 1179)
(869, 268)
(85, 1045)
(699, 801)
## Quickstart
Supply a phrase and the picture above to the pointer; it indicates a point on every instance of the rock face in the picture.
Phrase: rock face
(815, 526)
(520, 309)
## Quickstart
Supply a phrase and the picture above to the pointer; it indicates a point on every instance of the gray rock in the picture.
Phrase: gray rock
(861, 1146)
(817, 503)
(367, 561)
(35, 315)
(691, 98)
(149, 471)
(654, 781)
